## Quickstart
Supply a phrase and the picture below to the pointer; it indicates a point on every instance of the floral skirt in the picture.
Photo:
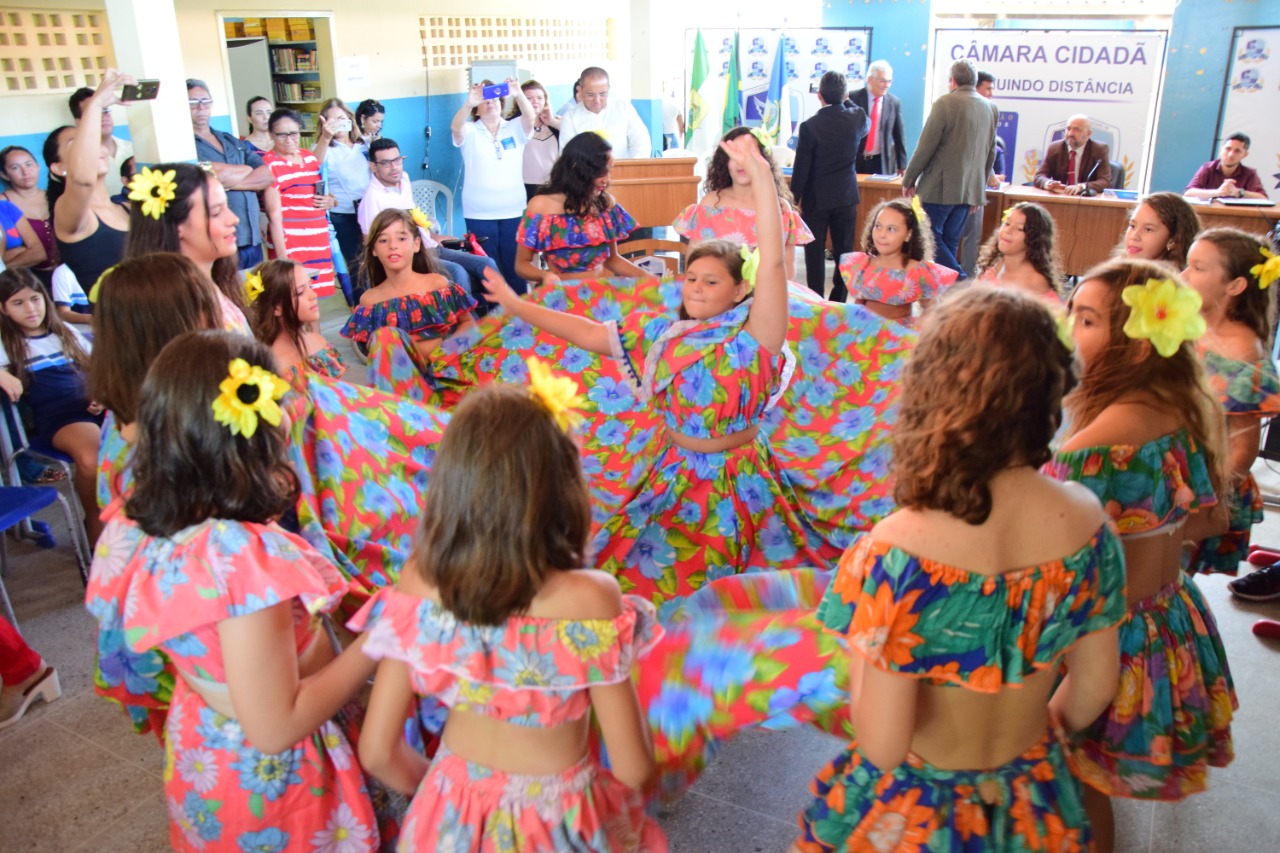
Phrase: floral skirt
(1171, 718)
(1035, 805)
(1223, 554)
(225, 795)
(461, 806)
(396, 367)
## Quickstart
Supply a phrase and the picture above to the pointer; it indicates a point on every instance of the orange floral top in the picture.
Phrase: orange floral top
(925, 619)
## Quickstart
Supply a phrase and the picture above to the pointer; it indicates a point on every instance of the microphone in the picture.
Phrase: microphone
(1089, 191)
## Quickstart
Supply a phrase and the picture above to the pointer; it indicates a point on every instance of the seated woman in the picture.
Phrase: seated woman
(963, 607)
(573, 221)
(1022, 255)
(727, 209)
(895, 268)
(1161, 227)
(284, 313)
(21, 173)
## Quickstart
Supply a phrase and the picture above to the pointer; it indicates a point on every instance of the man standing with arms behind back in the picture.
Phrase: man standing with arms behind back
(824, 181)
(953, 158)
(882, 151)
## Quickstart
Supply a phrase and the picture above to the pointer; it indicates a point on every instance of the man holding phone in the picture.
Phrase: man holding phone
(619, 123)
(118, 150)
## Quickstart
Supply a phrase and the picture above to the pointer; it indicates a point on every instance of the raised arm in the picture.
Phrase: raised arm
(768, 321)
(528, 118)
(579, 331)
(73, 211)
(463, 116)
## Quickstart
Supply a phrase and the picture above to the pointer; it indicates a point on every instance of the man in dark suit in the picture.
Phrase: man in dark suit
(824, 182)
(1075, 164)
(882, 151)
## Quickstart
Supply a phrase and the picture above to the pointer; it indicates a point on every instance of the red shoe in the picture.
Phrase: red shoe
(1268, 628)
(1263, 557)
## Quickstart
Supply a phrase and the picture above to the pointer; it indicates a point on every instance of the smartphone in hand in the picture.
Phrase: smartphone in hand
(144, 90)
(320, 188)
(498, 90)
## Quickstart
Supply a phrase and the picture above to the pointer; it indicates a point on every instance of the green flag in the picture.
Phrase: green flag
(697, 103)
(733, 93)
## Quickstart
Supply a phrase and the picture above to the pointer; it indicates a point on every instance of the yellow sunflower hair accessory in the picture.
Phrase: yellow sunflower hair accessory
(750, 264)
(97, 285)
(252, 287)
(1163, 313)
(1267, 271)
(1065, 327)
(248, 392)
(763, 138)
(557, 394)
(155, 189)
(602, 133)
(420, 219)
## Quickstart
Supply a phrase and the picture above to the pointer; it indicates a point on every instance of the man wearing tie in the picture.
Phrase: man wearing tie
(1075, 165)
(883, 151)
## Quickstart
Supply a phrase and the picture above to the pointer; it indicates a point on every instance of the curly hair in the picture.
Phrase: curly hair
(1240, 252)
(188, 467)
(1041, 247)
(279, 286)
(1126, 366)
(719, 178)
(919, 246)
(985, 356)
(507, 505)
(582, 162)
(423, 260)
(1176, 215)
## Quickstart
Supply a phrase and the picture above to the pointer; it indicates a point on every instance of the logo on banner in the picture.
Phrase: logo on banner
(1255, 50)
(1249, 81)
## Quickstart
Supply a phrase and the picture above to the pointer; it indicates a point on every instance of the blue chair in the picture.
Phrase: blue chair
(14, 443)
(17, 504)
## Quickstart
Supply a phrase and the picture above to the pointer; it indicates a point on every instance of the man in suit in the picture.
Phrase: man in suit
(1075, 164)
(953, 158)
(824, 182)
(882, 151)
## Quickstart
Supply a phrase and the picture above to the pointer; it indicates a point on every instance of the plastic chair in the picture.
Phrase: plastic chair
(17, 504)
(426, 195)
(12, 427)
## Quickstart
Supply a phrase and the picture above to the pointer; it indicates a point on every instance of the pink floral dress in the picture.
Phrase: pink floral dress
(326, 361)
(528, 672)
(574, 243)
(170, 594)
(699, 222)
(893, 287)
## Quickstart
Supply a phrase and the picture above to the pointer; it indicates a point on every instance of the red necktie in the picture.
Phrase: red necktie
(1071, 167)
(875, 123)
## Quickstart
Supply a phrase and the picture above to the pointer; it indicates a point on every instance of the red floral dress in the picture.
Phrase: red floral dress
(306, 227)
(893, 286)
(326, 361)
(738, 225)
(574, 243)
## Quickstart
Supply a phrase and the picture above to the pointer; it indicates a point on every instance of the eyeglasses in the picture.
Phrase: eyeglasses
(196, 103)
(394, 162)
(288, 134)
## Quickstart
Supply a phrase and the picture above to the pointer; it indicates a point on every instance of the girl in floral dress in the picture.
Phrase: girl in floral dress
(285, 312)
(961, 608)
(493, 619)
(193, 563)
(1021, 254)
(1145, 435)
(1225, 266)
(895, 268)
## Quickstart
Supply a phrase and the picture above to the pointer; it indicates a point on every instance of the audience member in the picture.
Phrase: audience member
(543, 147)
(620, 124)
(238, 166)
(1161, 227)
(25, 676)
(824, 181)
(1228, 177)
(258, 111)
(346, 169)
(882, 151)
(1075, 164)
(22, 247)
(986, 87)
(573, 101)
(296, 204)
(21, 173)
(369, 117)
(117, 149)
(953, 159)
(71, 301)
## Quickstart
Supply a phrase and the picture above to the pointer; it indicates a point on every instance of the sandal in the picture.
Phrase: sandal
(49, 476)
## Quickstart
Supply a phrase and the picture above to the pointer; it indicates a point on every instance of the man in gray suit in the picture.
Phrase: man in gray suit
(953, 158)
(883, 151)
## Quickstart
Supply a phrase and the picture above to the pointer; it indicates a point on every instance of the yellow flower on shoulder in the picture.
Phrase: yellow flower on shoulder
(248, 392)
(1267, 271)
(558, 394)
(420, 219)
(155, 189)
(252, 287)
(1164, 313)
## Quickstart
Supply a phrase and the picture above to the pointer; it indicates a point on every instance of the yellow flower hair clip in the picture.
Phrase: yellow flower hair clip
(248, 392)
(1267, 271)
(1004, 217)
(96, 290)
(1163, 313)
(557, 394)
(1065, 327)
(155, 189)
(252, 287)
(763, 138)
(750, 264)
(602, 133)
(420, 219)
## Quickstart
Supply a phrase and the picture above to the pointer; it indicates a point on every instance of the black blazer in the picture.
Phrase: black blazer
(893, 150)
(824, 176)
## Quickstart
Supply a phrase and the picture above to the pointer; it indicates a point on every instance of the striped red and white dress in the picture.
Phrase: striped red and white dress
(306, 228)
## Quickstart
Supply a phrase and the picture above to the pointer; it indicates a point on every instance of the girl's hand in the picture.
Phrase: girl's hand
(496, 287)
(745, 152)
(475, 96)
(551, 280)
(10, 385)
(329, 126)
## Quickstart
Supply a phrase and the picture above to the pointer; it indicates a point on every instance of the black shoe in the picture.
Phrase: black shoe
(1262, 585)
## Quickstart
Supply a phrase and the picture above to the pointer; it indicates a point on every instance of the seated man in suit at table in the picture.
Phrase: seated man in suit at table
(1075, 165)
(1228, 177)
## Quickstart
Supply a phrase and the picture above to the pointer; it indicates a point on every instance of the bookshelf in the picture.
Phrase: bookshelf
(300, 59)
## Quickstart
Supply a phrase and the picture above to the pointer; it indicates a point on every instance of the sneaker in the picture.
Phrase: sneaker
(1262, 585)
(14, 703)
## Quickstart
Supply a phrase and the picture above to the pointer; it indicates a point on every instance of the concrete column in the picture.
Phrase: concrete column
(145, 36)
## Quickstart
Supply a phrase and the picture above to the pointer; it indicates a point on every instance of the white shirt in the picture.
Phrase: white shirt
(494, 163)
(621, 125)
(349, 176)
(378, 197)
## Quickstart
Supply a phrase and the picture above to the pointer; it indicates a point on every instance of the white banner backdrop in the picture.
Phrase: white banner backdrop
(1043, 77)
(1246, 106)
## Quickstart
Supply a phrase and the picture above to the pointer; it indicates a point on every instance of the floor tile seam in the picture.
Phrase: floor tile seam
(131, 762)
(715, 799)
(90, 843)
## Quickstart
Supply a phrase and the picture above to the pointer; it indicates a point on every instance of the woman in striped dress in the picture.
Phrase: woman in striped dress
(295, 208)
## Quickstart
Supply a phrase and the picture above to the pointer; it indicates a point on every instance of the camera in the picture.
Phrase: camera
(343, 126)
(145, 90)
(498, 90)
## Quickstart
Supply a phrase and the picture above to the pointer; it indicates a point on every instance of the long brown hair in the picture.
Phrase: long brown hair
(1042, 250)
(1175, 214)
(1122, 369)
(1240, 252)
(423, 260)
(15, 339)
(144, 303)
(353, 135)
(507, 505)
(187, 466)
(718, 177)
(920, 247)
(278, 291)
(985, 356)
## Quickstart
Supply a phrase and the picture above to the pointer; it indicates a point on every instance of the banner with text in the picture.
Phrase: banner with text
(1043, 77)
(1246, 106)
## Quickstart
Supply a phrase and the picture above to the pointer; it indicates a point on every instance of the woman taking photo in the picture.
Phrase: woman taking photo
(543, 147)
(296, 204)
(347, 169)
(369, 117)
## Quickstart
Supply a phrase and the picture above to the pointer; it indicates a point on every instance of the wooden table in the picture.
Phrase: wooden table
(655, 190)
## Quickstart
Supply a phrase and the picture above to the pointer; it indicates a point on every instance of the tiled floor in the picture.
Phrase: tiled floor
(74, 777)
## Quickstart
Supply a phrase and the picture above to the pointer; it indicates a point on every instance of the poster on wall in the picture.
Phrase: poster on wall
(777, 73)
(1043, 77)
(1249, 97)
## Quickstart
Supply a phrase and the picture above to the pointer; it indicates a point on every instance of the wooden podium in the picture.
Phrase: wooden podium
(654, 191)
